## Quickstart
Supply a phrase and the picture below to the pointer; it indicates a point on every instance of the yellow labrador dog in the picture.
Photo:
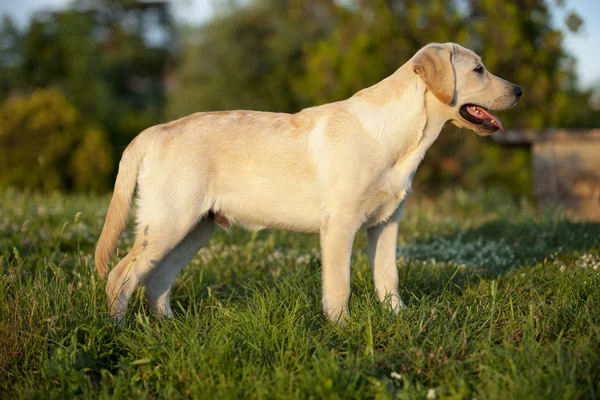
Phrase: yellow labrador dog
(332, 169)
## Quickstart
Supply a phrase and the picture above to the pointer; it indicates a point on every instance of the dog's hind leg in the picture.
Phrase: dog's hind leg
(156, 238)
(159, 282)
(121, 283)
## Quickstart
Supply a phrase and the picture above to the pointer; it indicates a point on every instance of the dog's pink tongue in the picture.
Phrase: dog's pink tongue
(480, 112)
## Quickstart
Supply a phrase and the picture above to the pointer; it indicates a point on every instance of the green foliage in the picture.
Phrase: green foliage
(501, 304)
(247, 58)
(59, 51)
(100, 54)
(44, 144)
(109, 59)
(10, 47)
(370, 41)
(92, 162)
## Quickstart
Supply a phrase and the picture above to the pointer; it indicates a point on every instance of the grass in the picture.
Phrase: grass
(500, 304)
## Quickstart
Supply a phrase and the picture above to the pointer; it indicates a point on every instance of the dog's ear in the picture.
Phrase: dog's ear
(433, 64)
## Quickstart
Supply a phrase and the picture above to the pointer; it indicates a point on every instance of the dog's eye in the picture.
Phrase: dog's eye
(479, 69)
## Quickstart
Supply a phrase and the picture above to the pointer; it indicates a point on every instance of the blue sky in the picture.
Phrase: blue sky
(585, 45)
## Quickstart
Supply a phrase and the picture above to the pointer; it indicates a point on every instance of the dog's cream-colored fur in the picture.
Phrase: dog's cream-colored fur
(333, 169)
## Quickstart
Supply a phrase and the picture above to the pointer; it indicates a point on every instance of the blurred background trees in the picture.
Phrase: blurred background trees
(45, 143)
(114, 67)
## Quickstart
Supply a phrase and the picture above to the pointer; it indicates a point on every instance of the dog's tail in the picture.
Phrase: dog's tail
(120, 205)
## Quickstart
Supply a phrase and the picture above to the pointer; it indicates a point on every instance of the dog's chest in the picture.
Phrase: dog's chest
(394, 186)
(384, 202)
(385, 207)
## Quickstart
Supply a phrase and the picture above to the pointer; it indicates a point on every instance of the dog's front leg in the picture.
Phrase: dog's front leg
(337, 237)
(383, 240)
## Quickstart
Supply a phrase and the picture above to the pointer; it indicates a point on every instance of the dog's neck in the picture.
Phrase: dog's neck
(405, 118)
(401, 113)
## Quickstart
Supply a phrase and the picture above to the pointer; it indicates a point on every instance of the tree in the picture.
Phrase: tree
(249, 57)
(109, 57)
(45, 145)
(10, 56)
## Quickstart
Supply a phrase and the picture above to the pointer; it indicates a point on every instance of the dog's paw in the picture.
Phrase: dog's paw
(394, 303)
(337, 316)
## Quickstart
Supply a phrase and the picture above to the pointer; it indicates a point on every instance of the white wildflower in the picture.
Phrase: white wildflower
(396, 376)
(431, 394)
(304, 259)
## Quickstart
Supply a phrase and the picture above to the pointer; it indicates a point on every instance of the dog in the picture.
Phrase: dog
(333, 169)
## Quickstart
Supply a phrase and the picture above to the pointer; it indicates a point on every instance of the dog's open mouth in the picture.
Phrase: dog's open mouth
(480, 116)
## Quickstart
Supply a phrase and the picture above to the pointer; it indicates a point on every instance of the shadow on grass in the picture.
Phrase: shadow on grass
(499, 245)
(491, 250)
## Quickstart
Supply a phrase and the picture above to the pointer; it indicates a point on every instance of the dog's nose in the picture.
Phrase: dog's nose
(518, 91)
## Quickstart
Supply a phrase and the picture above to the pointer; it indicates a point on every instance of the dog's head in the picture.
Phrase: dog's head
(458, 79)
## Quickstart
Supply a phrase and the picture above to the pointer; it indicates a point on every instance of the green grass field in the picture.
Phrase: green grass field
(500, 304)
